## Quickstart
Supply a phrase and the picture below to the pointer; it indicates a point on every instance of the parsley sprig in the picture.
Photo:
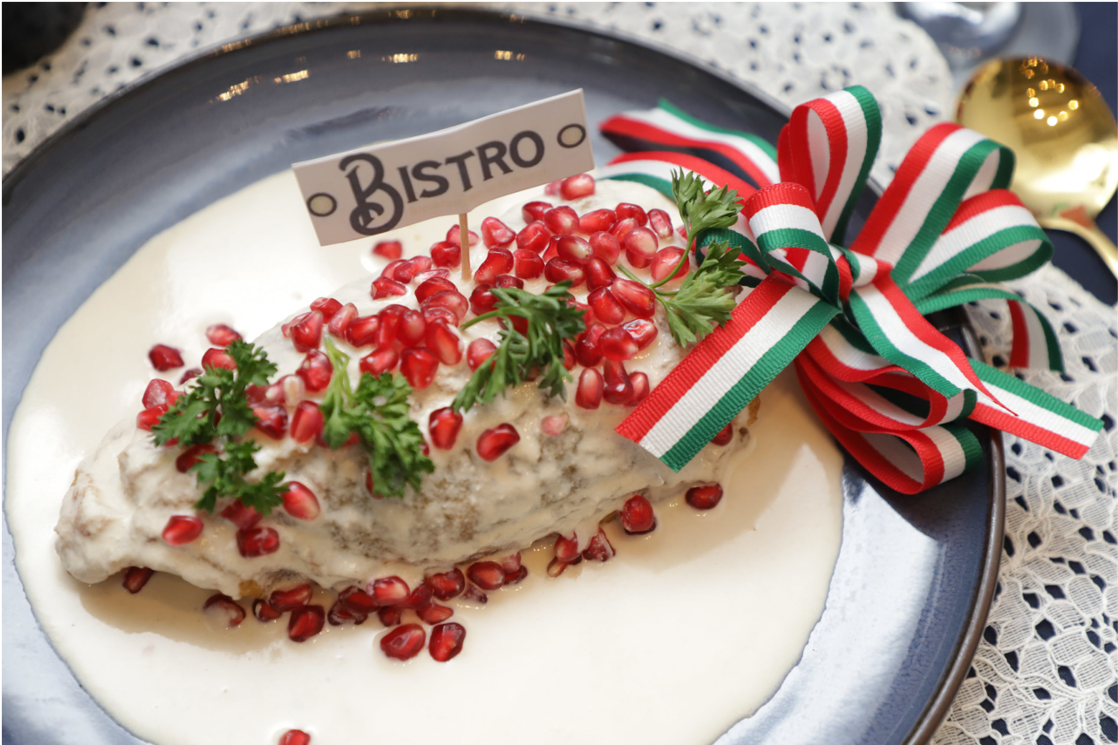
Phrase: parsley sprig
(704, 299)
(216, 410)
(377, 412)
(551, 317)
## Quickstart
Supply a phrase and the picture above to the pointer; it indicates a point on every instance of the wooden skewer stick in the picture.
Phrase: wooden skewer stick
(464, 242)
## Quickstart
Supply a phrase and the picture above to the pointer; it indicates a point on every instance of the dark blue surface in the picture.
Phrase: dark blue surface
(1097, 59)
(913, 572)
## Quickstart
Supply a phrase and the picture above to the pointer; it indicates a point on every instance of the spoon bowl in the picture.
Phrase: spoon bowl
(1064, 137)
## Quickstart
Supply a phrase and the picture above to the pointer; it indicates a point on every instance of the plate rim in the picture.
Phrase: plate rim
(936, 708)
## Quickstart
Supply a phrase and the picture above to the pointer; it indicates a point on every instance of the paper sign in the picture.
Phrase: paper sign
(391, 185)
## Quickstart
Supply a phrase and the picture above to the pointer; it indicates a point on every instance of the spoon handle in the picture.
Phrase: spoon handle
(1098, 240)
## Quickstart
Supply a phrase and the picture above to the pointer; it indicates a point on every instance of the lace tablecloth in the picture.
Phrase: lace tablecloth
(1047, 671)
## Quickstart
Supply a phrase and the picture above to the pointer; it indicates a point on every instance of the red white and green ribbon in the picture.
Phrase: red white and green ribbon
(890, 387)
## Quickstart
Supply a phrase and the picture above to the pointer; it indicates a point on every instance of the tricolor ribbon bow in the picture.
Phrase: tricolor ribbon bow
(889, 386)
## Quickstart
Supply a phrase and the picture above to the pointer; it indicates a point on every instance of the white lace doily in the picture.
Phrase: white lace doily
(1047, 671)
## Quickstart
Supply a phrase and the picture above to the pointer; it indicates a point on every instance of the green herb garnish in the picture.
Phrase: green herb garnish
(552, 318)
(216, 410)
(705, 298)
(377, 412)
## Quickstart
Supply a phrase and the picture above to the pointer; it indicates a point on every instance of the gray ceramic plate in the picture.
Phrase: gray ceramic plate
(888, 654)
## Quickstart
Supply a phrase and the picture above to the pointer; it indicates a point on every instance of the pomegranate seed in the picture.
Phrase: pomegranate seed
(285, 600)
(568, 355)
(618, 389)
(264, 612)
(181, 530)
(257, 542)
(660, 222)
(534, 237)
(587, 349)
(446, 254)
(552, 189)
(389, 325)
(498, 261)
(412, 329)
(682, 230)
(625, 211)
(418, 367)
(493, 443)
(534, 210)
(636, 515)
(511, 563)
(552, 251)
(380, 361)
(315, 371)
(444, 343)
(641, 387)
(159, 393)
(561, 270)
(598, 220)
(440, 272)
(362, 331)
(622, 228)
(617, 345)
(447, 585)
(150, 416)
(306, 334)
(518, 323)
(599, 275)
(556, 567)
(327, 306)
(390, 616)
(515, 577)
(384, 287)
(357, 602)
(495, 234)
(725, 436)
(479, 351)
(297, 736)
(218, 358)
(589, 395)
(555, 424)
(566, 549)
(474, 595)
(164, 358)
(446, 641)
(388, 591)
(454, 235)
(241, 515)
(135, 578)
(704, 497)
(389, 270)
(526, 264)
(508, 280)
(665, 261)
(606, 308)
(417, 598)
(306, 423)
(637, 298)
(444, 425)
(432, 313)
(561, 220)
(640, 246)
(271, 420)
(576, 187)
(305, 622)
(482, 300)
(404, 642)
(300, 502)
(574, 249)
(606, 247)
(599, 548)
(190, 374)
(642, 330)
(390, 250)
(191, 456)
(221, 335)
(406, 270)
(452, 300)
(339, 616)
(341, 320)
(433, 613)
(433, 285)
(488, 575)
(226, 607)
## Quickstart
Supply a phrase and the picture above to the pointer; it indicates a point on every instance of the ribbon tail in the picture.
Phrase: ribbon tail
(725, 371)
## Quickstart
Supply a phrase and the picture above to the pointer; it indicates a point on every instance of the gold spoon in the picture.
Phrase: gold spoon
(1064, 137)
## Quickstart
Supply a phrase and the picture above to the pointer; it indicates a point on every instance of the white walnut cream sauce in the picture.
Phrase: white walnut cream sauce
(682, 633)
